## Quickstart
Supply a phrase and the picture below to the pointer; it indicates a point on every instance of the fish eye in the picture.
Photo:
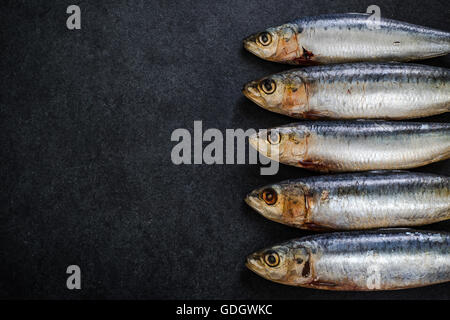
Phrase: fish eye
(273, 137)
(265, 38)
(272, 259)
(268, 86)
(269, 196)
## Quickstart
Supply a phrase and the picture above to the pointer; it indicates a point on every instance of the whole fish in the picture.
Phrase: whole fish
(358, 261)
(355, 145)
(350, 37)
(355, 91)
(356, 200)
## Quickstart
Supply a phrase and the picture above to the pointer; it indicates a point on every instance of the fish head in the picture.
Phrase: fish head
(281, 93)
(281, 202)
(278, 44)
(287, 144)
(283, 263)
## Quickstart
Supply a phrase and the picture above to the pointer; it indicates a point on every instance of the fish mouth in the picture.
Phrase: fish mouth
(248, 200)
(257, 141)
(253, 47)
(250, 43)
(252, 199)
(251, 91)
(253, 263)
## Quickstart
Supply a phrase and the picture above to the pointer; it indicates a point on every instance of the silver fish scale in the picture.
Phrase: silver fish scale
(372, 145)
(378, 199)
(364, 90)
(393, 258)
(354, 37)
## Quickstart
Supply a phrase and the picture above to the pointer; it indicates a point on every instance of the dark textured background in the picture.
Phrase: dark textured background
(86, 175)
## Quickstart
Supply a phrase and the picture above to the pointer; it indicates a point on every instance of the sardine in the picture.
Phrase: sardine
(356, 200)
(358, 261)
(355, 91)
(360, 145)
(340, 38)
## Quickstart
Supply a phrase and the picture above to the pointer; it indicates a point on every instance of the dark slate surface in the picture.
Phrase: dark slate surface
(86, 119)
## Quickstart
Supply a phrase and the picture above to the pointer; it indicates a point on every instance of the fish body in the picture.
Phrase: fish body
(356, 200)
(358, 261)
(355, 91)
(341, 38)
(355, 145)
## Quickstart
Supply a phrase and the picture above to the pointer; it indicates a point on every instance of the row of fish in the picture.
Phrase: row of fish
(367, 85)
